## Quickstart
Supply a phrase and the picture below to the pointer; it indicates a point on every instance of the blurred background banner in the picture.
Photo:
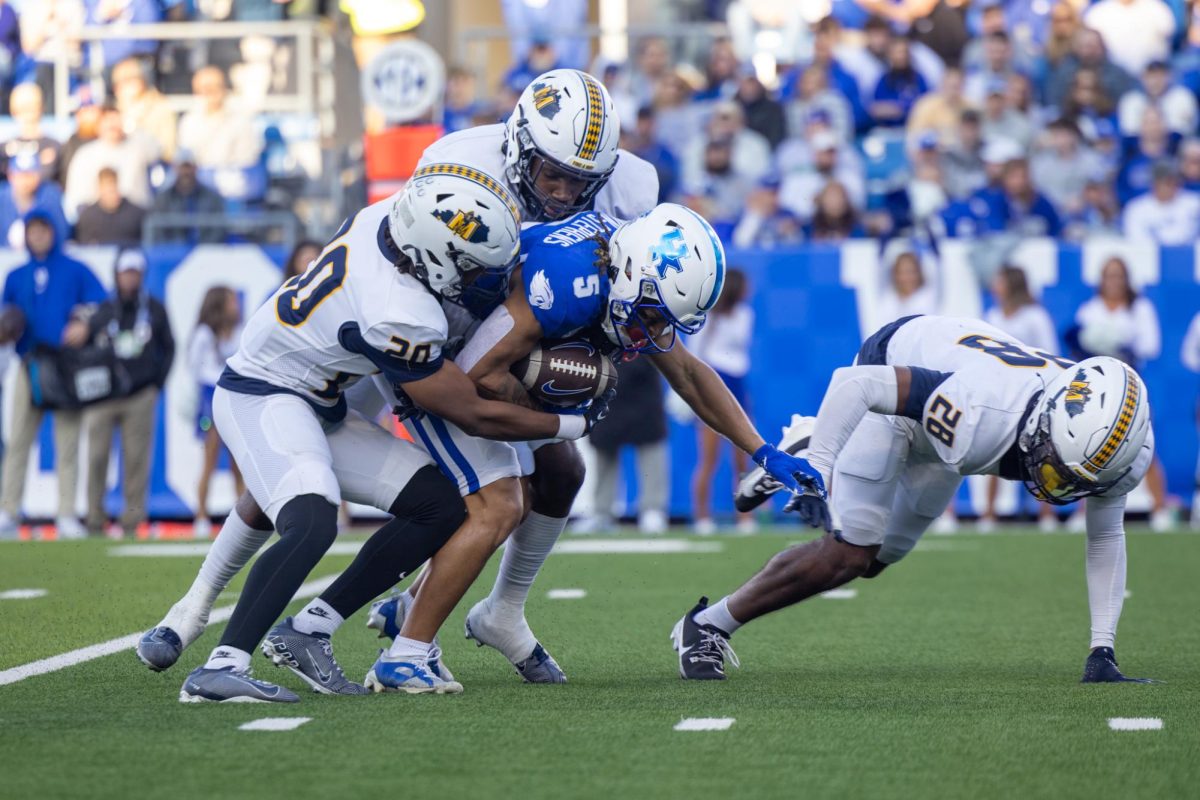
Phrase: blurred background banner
(818, 302)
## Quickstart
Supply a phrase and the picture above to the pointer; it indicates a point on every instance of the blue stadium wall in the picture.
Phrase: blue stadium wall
(813, 307)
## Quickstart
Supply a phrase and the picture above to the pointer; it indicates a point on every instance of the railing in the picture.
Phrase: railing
(314, 48)
(164, 227)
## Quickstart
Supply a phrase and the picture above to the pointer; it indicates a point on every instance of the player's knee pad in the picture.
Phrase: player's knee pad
(308, 523)
(432, 499)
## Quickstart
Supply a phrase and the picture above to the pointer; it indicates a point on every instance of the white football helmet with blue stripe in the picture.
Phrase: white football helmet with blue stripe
(564, 120)
(667, 271)
(1085, 431)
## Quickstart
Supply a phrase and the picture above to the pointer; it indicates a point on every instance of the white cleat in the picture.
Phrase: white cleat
(69, 529)
(510, 634)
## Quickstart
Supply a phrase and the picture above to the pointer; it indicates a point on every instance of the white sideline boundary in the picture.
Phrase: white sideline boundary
(705, 724)
(274, 724)
(1135, 723)
(92, 652)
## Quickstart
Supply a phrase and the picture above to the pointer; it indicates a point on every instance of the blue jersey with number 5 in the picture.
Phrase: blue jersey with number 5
(565, 277)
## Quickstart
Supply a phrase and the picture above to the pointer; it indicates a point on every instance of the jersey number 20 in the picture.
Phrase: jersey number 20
(302, 294)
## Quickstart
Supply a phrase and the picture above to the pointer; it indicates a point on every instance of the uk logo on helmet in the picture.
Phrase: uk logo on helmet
(669, 252)
(466, 225)
(1078, 394)
(546, 99)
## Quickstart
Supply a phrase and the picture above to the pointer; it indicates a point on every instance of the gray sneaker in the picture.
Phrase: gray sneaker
(229, 685)
(310, 656)
(159, 648)
(540, 667)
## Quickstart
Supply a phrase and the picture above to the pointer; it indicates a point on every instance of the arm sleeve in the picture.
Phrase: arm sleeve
(1105, 566)
(403, 353)
(852, 393)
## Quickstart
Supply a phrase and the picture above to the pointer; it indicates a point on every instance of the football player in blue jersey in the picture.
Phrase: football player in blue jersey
(628, 288)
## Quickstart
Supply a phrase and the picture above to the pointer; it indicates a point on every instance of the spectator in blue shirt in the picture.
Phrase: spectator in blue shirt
(1154, 144)
(720, 74)
(837, 77)
(25, 191)
(644, 142)
(123, 12)
(1017, 207)
(462, 105)
(899, 87)
(542, 57)
(48, 291)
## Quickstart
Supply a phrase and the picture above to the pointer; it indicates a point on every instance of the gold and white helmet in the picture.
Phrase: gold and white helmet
(1085, 431)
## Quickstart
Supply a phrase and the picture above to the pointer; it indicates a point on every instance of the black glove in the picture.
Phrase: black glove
(405, 408)
(812, 509)
(598, 409)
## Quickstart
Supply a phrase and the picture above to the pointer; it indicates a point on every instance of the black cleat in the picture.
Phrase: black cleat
(702, 648)
(1101, 667)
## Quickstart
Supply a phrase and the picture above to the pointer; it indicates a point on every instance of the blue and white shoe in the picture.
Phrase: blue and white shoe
(511, 634)
(411, 676)
(540, 667)
(159, 648)
(387, 617)
(229, 685)
(310, 656)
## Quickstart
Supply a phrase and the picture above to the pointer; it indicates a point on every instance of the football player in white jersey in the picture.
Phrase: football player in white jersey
(370, 304)
(653, 277)
(929, 400)
(558, 152)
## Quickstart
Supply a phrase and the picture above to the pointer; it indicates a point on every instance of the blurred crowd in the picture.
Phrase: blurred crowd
(915, 117)
(127, 154)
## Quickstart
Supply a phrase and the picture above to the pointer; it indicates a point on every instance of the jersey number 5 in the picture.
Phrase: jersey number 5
(942, 420)
(302, 294)
(587, 286)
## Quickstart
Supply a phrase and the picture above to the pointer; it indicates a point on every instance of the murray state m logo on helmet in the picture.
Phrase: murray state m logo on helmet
(546, 99)
(1078, 394)
(466, 225)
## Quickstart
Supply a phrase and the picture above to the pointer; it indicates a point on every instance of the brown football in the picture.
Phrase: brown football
(566, 373)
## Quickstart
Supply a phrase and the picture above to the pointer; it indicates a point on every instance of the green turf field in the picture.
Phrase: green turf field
(953, 675)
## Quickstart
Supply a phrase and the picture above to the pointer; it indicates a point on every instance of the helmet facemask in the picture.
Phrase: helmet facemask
(532, 163)
(1047, 476)
(638, 324)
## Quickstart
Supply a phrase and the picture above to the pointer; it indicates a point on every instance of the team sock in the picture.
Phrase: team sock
(226, 656)
(234, 546)
(409, 649)
(718, 616)
(318, 617)
(524, 554)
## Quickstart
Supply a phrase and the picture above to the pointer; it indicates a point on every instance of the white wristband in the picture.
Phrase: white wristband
(571, 426)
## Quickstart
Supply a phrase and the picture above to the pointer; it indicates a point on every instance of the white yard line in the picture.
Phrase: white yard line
(566, 594)
(91, 652)
(274, 724)
(1135, 724)
(22, 594)
(840, 594)
(704, 724)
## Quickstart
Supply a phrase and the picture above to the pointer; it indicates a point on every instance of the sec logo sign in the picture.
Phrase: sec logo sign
(405, 80)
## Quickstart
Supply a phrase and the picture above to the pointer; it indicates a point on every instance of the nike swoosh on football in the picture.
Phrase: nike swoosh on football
(549, 388)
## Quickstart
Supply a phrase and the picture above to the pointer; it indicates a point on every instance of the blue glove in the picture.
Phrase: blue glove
(812, 510)
(794, 474)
